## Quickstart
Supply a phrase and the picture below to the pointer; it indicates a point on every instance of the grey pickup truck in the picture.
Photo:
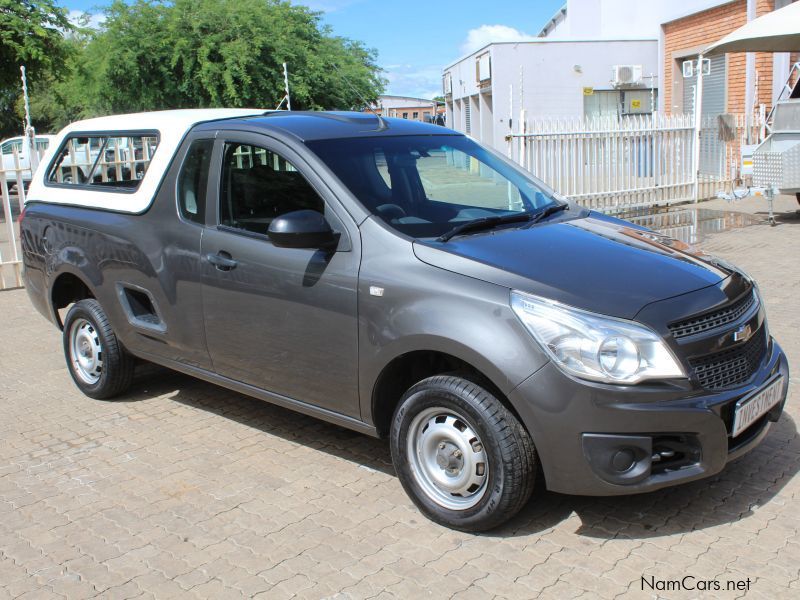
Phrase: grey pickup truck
(399, 279)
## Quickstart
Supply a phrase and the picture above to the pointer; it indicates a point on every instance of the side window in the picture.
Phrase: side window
(259, 185)
(103, 161)
(383, 167)
(193, 181)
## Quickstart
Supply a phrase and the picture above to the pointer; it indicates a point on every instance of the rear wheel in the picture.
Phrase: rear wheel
(97, 362)
(461, 455)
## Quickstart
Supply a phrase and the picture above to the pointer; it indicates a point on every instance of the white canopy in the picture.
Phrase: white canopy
(777, 31)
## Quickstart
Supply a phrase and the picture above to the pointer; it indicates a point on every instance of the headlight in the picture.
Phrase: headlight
(594, 346)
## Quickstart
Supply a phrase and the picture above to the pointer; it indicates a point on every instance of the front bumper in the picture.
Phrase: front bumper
(579, 428)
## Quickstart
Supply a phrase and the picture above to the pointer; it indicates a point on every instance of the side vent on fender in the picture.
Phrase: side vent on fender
(140, 308)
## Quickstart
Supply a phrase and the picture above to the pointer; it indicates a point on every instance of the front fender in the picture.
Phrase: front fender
(423, 307)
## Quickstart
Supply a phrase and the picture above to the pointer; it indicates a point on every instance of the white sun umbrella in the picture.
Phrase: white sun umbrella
(777, 31)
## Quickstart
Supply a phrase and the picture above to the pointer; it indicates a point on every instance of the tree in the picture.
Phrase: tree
(152, 55)
(58, 99)
(31, 34)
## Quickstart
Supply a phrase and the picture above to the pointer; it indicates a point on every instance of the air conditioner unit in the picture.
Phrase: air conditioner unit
(626, 75)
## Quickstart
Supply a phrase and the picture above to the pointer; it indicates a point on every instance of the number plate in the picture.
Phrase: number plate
(748, 410)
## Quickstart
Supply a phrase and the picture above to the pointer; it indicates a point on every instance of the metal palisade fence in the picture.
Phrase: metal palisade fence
(614, 164)
(14, 177)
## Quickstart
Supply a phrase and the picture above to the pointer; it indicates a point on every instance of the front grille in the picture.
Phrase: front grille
(733, 366)
(714, 319)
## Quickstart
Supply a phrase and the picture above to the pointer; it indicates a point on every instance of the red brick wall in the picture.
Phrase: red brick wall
(704, 28)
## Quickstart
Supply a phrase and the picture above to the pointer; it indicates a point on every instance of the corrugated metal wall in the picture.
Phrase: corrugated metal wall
(714, 85)
(713, 88)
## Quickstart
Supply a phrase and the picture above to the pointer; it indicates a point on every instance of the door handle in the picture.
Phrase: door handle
(222, 260)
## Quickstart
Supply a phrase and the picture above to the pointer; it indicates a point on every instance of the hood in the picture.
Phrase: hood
(596, 263)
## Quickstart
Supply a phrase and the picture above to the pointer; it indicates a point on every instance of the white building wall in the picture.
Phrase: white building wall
(561, 29)
(618, 19)
(548, 86)
(615, 19)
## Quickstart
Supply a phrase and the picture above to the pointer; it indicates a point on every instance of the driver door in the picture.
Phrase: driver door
(281, 319)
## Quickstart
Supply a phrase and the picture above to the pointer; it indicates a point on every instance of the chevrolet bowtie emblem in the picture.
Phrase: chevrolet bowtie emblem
(742, 334)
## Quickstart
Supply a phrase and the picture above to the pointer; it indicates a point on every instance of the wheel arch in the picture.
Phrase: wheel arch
(408, 368)
(67, 288)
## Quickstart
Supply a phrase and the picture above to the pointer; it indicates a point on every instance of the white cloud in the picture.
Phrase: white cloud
(407, 80)
(486, 34)
(80, 18)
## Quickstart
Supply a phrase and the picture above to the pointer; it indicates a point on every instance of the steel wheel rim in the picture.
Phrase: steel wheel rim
(86, 351)
(448, 459)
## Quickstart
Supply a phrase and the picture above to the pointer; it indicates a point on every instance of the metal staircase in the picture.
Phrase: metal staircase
(790, 90)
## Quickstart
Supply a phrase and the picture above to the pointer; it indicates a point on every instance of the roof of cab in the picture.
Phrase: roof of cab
(161, 120)
(315, 125)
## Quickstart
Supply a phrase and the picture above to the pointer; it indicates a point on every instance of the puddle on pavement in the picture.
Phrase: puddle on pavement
(689, 224)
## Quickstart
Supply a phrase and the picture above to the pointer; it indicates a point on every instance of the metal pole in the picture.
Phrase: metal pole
(749, 79)
(30, 133)
(698, 121)
(286, 87)
(652, 94)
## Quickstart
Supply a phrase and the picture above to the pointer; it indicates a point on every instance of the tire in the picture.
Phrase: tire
(66, 176)
(97, 362)
(445, 427)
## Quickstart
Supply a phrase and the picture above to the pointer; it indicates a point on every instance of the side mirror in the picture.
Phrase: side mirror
(302, 229)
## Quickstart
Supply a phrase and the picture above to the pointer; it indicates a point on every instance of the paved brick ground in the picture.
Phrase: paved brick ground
(183, 489)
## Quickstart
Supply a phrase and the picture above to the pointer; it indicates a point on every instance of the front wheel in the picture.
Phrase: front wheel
(96, 360)
(461, 455)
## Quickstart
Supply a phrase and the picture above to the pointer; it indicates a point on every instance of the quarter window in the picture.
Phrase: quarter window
(193, 181)
(259, 185)
(104, 162)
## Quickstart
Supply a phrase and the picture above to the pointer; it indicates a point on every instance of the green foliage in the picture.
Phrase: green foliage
(153, 55)
(31, 34)
(57, 99)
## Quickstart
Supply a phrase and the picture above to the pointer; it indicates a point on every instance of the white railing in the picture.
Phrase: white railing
(13, 182)
(616, 164)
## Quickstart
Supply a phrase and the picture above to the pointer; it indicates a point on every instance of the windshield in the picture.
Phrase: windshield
(424, 186)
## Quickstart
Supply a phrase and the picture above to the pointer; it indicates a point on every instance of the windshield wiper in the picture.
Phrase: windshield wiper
(550, 210)
(485, 223)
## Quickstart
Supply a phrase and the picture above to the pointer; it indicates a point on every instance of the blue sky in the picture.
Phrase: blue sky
(415, 39)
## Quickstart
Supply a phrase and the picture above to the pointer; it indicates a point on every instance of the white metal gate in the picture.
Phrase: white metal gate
(12, 194)
(643, 160)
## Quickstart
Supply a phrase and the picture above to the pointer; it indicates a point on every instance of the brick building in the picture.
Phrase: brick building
(724, 87)
(408, 107)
